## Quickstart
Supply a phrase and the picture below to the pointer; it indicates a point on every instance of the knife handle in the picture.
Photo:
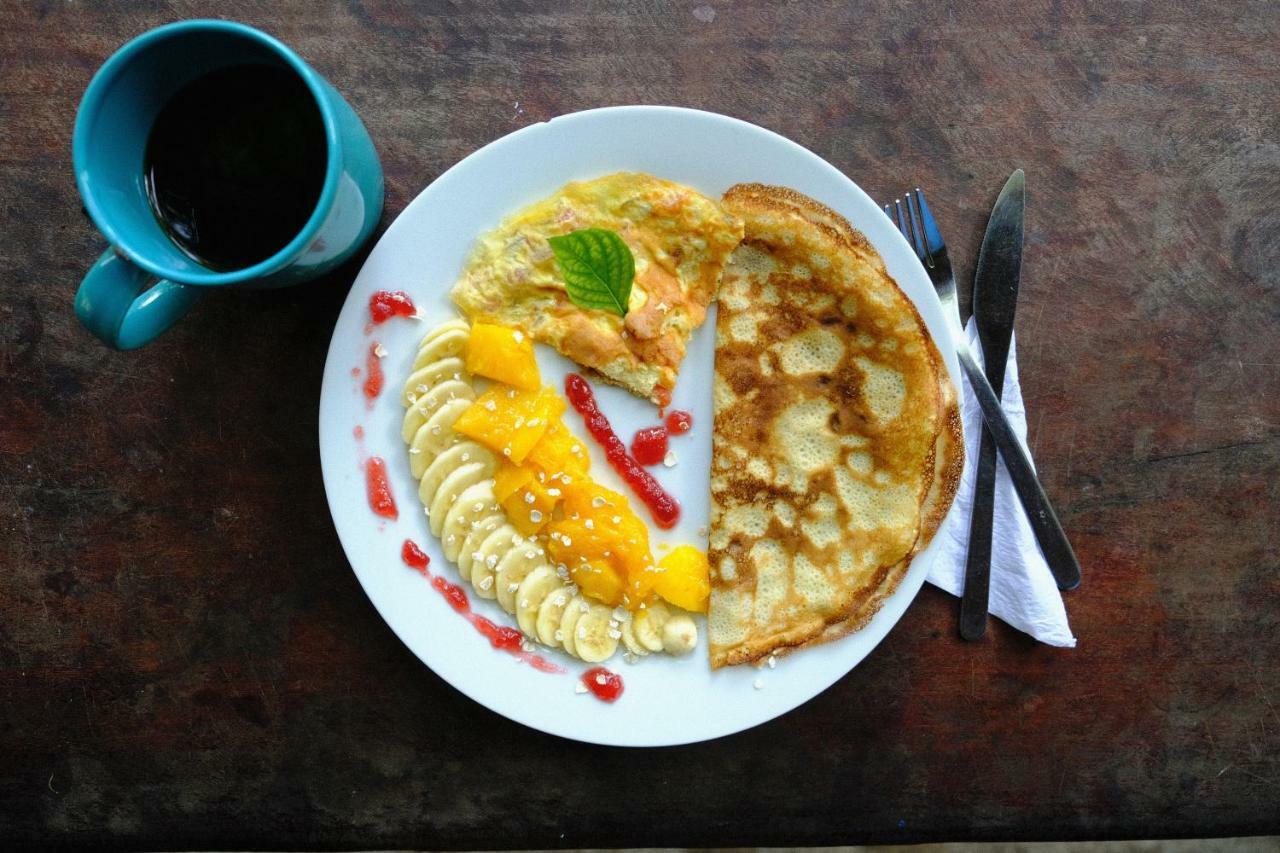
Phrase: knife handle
(1044, 522)
(977, 568)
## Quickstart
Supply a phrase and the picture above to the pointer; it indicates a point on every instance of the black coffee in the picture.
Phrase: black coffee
(235, 164)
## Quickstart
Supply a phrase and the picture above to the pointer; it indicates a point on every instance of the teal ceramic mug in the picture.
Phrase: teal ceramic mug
(145, 282)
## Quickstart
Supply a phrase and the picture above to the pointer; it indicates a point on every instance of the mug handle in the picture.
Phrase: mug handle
(126, 306)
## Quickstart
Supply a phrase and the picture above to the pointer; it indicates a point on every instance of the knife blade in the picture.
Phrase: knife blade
(995, 301)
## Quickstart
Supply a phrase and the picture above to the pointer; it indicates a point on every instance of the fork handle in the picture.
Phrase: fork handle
(1044, 522)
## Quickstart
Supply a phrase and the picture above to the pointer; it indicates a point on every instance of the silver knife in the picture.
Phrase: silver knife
(995, 298)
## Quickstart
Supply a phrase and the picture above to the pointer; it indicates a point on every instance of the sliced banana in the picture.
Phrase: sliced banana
(448, 461)
(523, 558)
(475, 502)
(647, 625)
(475, 536)
(448, 343)
(679, 634)
(437, 433)
(595, 637)
(492, 549)
(629, 637)
(534, 589)
(458, 481)
(425, 405)
(455, 323)
(424, 379)
(551, 612)
(573, 611)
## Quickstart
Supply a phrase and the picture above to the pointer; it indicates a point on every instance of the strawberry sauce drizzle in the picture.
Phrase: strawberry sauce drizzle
(374, 378)
(501, 637)
(662, 506)
(604, 684)
(378, 487)
(679, 422)
(649, 445)
(386, 304)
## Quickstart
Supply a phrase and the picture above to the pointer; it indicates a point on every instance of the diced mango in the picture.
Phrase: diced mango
(503, 354)
(530, 492)
(598, 580)
(559, 451)
(508, 478)
(641, 584)
(570, 542)
(597, 527)
(509, 421)
(529, 507)
(570, 546)
(685, 579)
(586, 498)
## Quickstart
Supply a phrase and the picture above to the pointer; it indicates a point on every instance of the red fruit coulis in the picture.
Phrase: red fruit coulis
(664, 508)
(603, 684)
(501, 637)
(679, 422)
(381, 501)
(386, 304)
(414, 557)
(373, 374)
(649, 446)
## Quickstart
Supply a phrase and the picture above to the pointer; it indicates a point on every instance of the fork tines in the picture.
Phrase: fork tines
(917, 224)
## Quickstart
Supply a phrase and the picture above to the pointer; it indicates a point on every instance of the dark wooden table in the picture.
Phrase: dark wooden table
(187, 661)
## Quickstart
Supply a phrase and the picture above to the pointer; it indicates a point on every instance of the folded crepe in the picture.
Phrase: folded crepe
(837, 444)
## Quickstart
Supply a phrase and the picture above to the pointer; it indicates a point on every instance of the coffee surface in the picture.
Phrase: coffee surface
(235, 164)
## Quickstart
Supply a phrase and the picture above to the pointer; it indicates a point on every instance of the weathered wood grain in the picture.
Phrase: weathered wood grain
(186, 661)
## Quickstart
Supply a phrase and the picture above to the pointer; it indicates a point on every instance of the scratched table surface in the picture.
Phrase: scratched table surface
(187, 661)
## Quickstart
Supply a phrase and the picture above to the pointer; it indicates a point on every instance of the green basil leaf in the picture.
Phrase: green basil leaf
(598, 269)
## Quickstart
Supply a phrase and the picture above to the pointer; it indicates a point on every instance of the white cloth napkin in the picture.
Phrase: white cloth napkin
(1023, 592)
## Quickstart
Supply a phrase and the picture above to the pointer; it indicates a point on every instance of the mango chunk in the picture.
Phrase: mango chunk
(586, 498)
(529, 507)
(598, 580)
(508, 478)
(684, 579)
(598, 528)
(509, 421)
(560, 452)
(503, 354)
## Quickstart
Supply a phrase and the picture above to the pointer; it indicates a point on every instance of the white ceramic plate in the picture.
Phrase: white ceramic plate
(667, 700)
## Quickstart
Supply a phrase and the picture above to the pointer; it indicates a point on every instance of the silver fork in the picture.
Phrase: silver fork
(917, 224)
